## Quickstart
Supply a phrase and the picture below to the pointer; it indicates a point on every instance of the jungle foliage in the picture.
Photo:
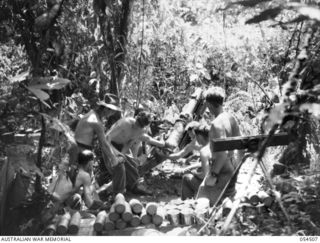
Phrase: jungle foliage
(59, 57)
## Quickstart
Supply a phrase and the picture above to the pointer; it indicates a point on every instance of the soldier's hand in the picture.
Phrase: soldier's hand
(162, 152)
(179, 171)
(186, 170)
(181, 161)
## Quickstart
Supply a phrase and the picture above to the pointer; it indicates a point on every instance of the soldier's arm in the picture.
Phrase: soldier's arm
(146, 138)
(87, 190)
(193, 166)
(183, 152)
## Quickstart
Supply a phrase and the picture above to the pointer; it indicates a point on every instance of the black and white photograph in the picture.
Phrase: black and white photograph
(191, 118)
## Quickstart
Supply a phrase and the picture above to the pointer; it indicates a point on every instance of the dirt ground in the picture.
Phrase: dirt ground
(166, 186)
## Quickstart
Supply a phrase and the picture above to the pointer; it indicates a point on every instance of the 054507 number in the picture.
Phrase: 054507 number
(308, 238)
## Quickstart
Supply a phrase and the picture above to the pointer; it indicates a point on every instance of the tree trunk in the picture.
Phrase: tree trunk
(114, 31)
(114, 79)
(121, 51)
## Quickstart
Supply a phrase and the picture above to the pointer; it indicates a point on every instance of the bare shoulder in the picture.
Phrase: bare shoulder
(217, 128)
(84, 177)
(129, 120)
(126, 121)
(234, 125)
(116, 125)
(232, 118)
(217, 124)
(224, 120)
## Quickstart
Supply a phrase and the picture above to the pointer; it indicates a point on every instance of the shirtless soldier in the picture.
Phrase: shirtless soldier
(91, 125)
(223, 163)
(65, 189)
(122, 135)
(128, 130)
(192, 179)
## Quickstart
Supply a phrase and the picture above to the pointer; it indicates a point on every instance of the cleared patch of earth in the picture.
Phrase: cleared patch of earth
(166, 187)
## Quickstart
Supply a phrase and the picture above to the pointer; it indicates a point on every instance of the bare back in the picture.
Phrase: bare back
(229, 124)
(125, 132)
(225, 125)
(84, 131)
(62, 187)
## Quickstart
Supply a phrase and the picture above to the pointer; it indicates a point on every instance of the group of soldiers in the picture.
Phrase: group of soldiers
(204, 179)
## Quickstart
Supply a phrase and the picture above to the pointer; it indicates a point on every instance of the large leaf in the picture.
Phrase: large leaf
(20, 77)
(41, 95)
(271, 13)
(310, 12)
(245, 3)
(48, 83)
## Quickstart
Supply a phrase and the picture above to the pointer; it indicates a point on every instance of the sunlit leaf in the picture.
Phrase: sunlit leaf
(207, 75)
(20, 77)
(97, 33)
(199, 65)
(193, 77)
(310, 12)
(93, 74)
(49, 83)
(108, 12)
(92, 81)
(312, 108)
(146, 49)
(50, 49)
(271, 13)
